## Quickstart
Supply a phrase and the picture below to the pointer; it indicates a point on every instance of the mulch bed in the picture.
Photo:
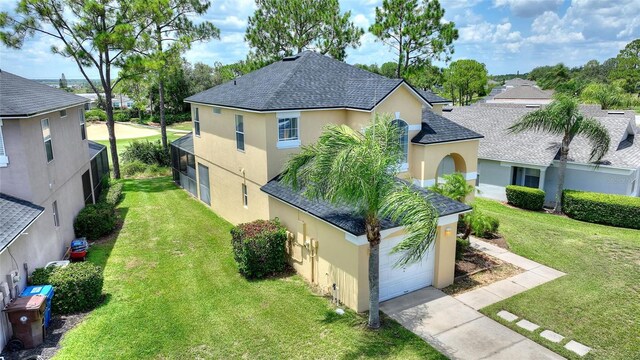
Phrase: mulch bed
(473, 261)
(57, 328)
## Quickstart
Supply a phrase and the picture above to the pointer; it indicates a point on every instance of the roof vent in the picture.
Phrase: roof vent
(291, 58)
(447, 109)
(532, 106)
(610, 112)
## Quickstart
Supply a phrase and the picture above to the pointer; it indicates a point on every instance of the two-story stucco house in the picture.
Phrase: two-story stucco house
(48, 172)
(246, 129)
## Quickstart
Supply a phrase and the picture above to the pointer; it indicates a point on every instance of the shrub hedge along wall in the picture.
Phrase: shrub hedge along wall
(77, 287)
(607, 209)
(259, 248)
(525, 197)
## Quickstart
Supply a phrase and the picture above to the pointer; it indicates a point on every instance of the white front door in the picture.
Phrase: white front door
(396, 281)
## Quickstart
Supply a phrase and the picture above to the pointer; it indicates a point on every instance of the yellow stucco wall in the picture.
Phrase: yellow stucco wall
(426, 158)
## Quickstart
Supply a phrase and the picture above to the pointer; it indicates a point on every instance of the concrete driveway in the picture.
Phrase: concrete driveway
(458, 331)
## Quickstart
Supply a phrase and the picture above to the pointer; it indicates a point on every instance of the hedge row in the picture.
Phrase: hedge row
(525, 197)
(77, 286)
(607, 209)
(259, 248)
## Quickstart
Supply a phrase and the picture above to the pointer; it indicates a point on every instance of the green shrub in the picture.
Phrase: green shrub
(462, 245)
(121, 116)
(113, 194)
(147, 152)
(525, 197)
(607, 209)
(481, 224)
(95, 115)
(171, 118)
(455, 187)
(77, 287)
(95, 221)
(133, 168)
(259, 248)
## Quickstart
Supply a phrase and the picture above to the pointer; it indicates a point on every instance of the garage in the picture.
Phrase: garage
(396, 281)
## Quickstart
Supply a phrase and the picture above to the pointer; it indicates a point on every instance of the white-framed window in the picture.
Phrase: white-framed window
(56, 218)
(87, 106)
(196, 122)
(240, 132)
(46, 137)
(245, 196)
(63, 113)
(404, 142)
(217, 110)
(116, 104)
(4, 159)
(83, 127)
(288, 130)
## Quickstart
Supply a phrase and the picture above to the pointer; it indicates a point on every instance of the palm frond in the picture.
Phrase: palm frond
(598, 137)
(556, 118)
(411, 209)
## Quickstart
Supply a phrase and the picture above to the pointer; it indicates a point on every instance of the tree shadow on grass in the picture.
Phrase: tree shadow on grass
(150, 185)
(100, 250)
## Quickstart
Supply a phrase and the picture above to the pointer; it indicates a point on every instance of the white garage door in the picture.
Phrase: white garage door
(396, 281)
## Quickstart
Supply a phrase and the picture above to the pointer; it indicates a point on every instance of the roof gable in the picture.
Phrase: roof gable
(17, 215)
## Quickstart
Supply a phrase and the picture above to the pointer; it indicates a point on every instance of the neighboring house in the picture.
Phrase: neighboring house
(522, 94)
(531, 158)
(246, 129)
(48, 172)
(515, 82)
(119, 101)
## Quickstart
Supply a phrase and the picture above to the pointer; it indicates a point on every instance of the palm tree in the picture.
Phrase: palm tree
(347, 167)
(563, 117)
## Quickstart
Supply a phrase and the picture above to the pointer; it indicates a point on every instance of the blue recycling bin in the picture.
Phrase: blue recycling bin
(46, 291)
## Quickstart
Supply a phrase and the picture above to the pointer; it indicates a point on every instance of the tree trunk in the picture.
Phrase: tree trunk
(564, 154)
(372, 225)
(163, 122)
(112, 133)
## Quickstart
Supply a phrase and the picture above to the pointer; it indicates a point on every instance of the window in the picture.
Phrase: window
(87, 106)
(129, 104)
(240, 132)
(526, 177)
(46, 137)
(404, 142)
(56, 219)
(4, 159)
(217, 110)
(116, 104)
(86, 188)
(633, 188)
(203, 173)
(245, 197)
(83, 129)
(288, 131)
(196, 122)
(63, 113)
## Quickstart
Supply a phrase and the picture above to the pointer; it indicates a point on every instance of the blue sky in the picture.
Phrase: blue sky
(506, 35)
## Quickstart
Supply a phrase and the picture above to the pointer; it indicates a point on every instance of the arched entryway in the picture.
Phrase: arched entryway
(450, 164)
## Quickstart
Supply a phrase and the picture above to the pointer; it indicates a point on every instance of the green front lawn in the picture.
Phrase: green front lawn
(598, 302)
(122, 144)
(186, 126)
(173, 292)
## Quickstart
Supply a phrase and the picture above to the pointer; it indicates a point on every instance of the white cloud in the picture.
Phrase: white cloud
(487, 34)
(231, 21)
(458, 4)
(528, 8)
(361, 21)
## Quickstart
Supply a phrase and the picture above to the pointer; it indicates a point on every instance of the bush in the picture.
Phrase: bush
(607, 209)
(121, 116)
(481, 224)
(171, 118)
(133, 168)
(95, 221)
(461, 247)
(525, 197)
(146, 152)
(113, 194)
(77, 287)
(455, 187)
(95, 115)
(259, 248)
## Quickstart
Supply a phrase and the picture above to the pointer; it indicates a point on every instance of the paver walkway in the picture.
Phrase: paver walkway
(535, 274)
(455, 327)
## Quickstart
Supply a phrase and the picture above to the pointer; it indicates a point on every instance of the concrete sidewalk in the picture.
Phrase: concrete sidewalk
(459, 331)
(534, 274)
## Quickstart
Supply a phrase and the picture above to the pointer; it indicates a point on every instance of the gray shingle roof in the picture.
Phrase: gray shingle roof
(437, 129)
(524, 92)
(344, 217)
(17, 215)
(185, 143)
(306, 81)
(519, 82)
(538, 148)
(432, 98)
(20, 97)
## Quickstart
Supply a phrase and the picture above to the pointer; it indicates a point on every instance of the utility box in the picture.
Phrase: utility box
(26, 315)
